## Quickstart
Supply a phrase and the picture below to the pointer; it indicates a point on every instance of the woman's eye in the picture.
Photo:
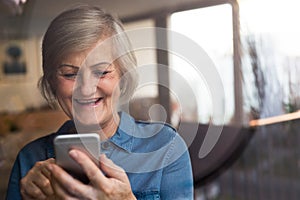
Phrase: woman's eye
(101, 74)
(68, 72)
(69, 75)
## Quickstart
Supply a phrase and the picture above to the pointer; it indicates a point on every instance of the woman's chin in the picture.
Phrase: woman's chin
(85, 125)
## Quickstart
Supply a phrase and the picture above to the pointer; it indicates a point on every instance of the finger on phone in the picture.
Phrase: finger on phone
(92, 171)
(31, 191)
(111, 169)
(44, 169)
(65, 185)
(44, 184)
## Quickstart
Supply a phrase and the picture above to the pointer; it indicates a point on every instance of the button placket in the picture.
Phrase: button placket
(105, 145)
(106, 148)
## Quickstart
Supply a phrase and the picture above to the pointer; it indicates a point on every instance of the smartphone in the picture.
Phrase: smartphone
(88, 143)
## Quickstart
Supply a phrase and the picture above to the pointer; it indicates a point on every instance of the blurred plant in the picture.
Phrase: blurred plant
(292, 104)
(255, 95)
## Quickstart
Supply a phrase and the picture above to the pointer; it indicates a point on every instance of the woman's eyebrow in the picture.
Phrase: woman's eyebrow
(104, 64)
(68, 65)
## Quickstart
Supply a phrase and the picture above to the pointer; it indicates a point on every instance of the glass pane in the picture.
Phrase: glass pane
(146, 94)
(271, 60)
(269, 166)
(145, 57)
(211, 29)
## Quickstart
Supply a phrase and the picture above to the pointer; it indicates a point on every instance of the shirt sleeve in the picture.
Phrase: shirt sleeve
(177, 177)
(27, 157)
(13, 189)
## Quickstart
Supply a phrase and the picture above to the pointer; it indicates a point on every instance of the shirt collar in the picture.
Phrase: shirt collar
(67, 128)
(123, 137)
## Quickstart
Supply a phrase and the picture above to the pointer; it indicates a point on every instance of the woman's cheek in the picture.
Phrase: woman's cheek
(108, 85)
(65, 88)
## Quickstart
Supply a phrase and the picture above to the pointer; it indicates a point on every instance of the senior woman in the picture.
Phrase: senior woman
(89, 69)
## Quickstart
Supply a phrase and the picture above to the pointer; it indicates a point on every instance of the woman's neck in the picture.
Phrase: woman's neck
(106, 129)
(109, 128)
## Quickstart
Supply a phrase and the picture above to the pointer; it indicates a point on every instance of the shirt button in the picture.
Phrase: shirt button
(105, 145)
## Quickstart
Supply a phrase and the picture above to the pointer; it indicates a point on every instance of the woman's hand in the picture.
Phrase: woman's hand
(113, 185)
(36, 183)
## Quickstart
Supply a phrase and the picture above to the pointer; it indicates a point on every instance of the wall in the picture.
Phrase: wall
(19, 92)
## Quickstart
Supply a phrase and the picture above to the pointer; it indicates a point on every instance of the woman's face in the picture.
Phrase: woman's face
(88, 87)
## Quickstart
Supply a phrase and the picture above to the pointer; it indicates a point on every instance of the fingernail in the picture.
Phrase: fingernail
(73, 153)
(102, 158)
(49, 167)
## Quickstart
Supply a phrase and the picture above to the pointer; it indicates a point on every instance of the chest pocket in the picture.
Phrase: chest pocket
(148, 195)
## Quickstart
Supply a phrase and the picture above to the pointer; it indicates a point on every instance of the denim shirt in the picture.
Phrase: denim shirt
(153, 155)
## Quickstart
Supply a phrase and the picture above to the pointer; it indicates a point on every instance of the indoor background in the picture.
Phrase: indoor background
(253, 46)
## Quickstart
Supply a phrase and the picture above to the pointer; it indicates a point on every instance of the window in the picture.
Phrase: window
(146, 57)
(146, 95)
(211, 28)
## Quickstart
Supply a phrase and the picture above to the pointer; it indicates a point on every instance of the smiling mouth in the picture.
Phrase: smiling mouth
(88, 102)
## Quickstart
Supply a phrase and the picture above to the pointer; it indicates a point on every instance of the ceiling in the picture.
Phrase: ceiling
(37, 14)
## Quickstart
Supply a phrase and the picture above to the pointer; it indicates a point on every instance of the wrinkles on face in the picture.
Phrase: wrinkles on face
(88, 88)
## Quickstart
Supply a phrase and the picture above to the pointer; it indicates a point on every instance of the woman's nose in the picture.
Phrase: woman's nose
(87, 85)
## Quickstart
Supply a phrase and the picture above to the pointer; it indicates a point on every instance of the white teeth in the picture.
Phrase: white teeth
(87, 101)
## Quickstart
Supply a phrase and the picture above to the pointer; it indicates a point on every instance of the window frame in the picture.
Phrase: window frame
(161, 18)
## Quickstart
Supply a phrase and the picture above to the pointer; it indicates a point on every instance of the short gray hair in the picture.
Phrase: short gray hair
(76, 30)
